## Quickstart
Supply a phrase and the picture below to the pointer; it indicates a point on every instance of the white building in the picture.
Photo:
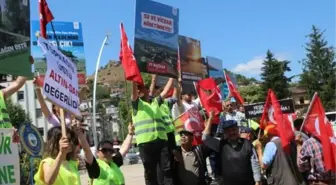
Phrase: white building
(26, 97)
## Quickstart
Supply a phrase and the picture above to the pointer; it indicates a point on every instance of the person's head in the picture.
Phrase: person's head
(246, 133)
(55, 109)
(269, 132)
(105, 151)
(229, 106)
(231, 130)
(241, 108)
(298, 123)
(186, 138)
(143, 93)
(52, 146)
(186, 96)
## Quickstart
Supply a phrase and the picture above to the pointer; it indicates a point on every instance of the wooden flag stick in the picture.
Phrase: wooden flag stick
(64, 132)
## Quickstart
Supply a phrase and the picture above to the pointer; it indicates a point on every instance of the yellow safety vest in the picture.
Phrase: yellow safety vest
(4, 116)
(167, 116)
(110, 174)
(148, 122)
(68, 173)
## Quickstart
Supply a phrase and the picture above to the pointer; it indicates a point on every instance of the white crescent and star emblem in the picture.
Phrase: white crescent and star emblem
(270, 115)
(333, 140)
(317, 126)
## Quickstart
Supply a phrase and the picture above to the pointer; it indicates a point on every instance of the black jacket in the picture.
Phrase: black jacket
(201, 152)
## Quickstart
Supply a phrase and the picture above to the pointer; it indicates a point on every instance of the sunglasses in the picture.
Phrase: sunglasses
(106, 150)
(229, 105)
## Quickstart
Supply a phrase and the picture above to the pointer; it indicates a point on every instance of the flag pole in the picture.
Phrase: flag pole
(310, 106)
(94, 92)
(53, 29)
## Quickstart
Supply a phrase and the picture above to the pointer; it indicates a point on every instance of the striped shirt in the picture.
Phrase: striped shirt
(310, 160)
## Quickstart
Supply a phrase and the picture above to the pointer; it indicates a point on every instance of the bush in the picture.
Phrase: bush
(25, 167)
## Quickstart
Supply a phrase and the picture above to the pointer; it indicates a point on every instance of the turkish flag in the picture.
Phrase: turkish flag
(210, 97)
(273, 115)
(233, 90)
(317, 124)
(191, 121)
(45, 17)
(127, 59)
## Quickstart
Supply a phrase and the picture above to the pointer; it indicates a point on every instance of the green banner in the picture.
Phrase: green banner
(15, 38)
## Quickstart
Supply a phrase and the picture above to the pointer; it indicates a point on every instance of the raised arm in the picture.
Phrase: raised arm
(128, 141)
(210, 141)
(152, 85)
(45, 110)
(14, 87)
(167, 88)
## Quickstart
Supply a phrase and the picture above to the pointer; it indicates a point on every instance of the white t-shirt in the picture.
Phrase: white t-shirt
(186, 106)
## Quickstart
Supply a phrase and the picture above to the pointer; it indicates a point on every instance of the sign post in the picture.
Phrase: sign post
(32, 143)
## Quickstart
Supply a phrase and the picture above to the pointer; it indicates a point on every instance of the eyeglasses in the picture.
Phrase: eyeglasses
(106, 150)
(229, 105)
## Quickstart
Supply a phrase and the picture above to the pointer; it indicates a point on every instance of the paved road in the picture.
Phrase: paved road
(134, 175)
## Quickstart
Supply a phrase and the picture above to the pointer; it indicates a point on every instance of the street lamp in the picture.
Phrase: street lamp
(95, 140)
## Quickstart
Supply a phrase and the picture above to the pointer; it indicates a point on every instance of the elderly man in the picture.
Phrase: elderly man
(238, 159)
(279, 166)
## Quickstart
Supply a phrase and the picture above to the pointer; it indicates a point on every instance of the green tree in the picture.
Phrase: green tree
(319, 68)
(252, 93)
(273, 76)
(17, 114)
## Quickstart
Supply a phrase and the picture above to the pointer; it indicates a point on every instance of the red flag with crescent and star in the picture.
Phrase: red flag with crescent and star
(127, 59)
(317, 124)
(273, 115)
(233, 90)
(45, 17)
(191, 121)
(210, 97)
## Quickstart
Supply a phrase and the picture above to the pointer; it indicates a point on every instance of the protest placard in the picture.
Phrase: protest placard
(61, 82)
(156, 38)
(69, 37)
(9, 157)
(15, 38)
(255, 110)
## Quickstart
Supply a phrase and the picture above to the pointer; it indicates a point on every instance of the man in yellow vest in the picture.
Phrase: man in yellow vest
(151, 135)
(6, 93)
(165, 104)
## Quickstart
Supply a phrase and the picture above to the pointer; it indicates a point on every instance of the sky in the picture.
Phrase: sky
(238, 32)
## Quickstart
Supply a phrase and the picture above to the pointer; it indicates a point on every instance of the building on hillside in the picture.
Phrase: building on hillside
(26, 97)
(300, 97)
(111, 73)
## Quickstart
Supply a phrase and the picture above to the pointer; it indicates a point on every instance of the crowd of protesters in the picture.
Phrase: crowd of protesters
(239, 154)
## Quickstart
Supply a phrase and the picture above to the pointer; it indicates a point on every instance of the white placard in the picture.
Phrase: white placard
(9, 157)
(61, 82)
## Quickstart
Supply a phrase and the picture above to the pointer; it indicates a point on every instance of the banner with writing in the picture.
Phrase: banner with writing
(156, 38)
(15, 38)
(256, 110)
(61, 83)
(69, 37)
(9, 157)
